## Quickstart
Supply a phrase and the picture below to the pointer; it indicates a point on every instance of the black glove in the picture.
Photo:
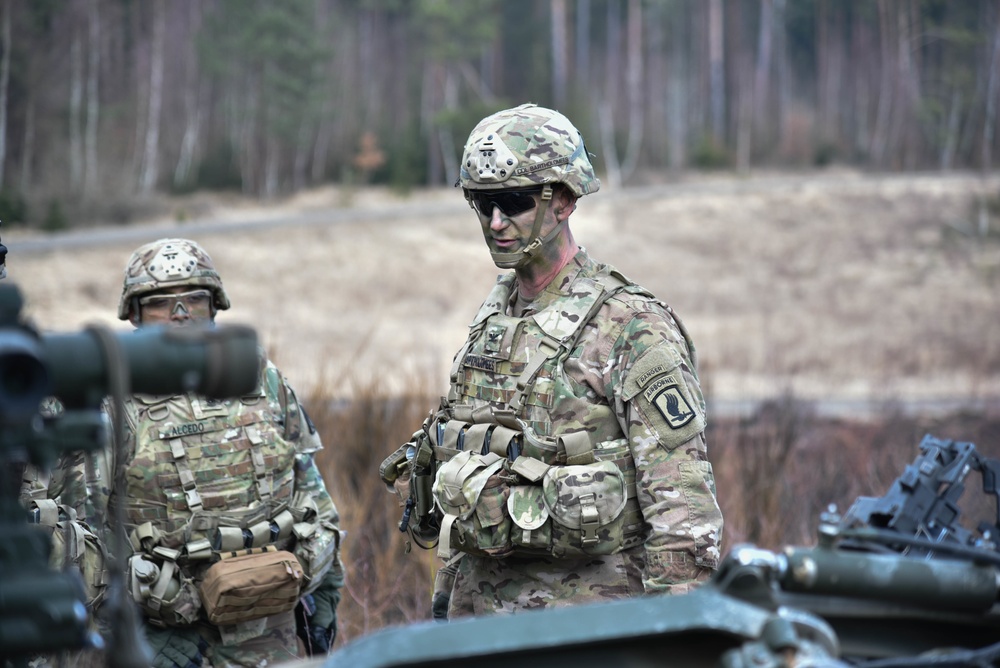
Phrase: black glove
(317, 638)
(176, 648)
(439, 606)
(321, 639)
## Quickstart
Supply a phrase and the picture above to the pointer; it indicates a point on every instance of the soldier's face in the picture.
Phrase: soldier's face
(508, 217)
(179, 306)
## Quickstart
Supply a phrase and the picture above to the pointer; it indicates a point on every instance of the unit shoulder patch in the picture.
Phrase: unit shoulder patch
(672, 405)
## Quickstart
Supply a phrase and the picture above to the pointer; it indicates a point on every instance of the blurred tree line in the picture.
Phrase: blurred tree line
(102, 101)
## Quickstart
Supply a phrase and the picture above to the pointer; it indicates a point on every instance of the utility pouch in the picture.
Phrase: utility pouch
(585, 504)
(576, 510)
(251, 584)
(471, 490)
(165, 596)
(316, 546)
(73, 543)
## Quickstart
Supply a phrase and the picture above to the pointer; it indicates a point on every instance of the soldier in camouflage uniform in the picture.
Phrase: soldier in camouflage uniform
(205, 480)
(568, 462)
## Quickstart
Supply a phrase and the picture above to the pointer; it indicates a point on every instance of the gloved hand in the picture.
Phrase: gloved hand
(321, 639)
(317, 638)
(176, 648)
(439, 606)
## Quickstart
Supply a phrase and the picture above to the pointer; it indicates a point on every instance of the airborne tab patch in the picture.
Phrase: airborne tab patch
(673, 406)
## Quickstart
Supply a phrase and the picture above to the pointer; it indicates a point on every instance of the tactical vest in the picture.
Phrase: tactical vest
(207, 478)
(528, 463)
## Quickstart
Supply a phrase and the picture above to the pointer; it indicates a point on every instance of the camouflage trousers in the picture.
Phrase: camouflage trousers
(277, 644)
(484, 586)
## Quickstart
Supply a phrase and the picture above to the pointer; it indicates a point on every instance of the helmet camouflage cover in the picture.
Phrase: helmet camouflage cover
(524, 147)
(167, 263)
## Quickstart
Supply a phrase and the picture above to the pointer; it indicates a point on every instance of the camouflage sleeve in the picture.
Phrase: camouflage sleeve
(289, 412)
(309, 481)
(659, 402)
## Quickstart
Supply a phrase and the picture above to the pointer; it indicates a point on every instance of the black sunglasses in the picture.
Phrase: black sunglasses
(510, 202)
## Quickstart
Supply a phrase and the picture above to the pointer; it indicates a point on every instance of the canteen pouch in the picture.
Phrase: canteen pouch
(251, 584)
(165, 596)
(577, 510)
(471, 492)
(316, 545)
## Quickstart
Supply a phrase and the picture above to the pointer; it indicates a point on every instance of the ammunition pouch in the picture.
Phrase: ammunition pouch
(481, 482)
(471, 490)
(251, 584)
(562, 510)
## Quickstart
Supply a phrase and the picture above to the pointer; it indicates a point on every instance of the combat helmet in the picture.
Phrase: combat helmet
(526, 147)
(166, 263)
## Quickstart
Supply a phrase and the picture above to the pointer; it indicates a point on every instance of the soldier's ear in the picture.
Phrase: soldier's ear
(565, 203)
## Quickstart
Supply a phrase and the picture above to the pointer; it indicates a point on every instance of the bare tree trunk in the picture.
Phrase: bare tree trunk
(633, 81)
(717, 88)
(762, 74)
(880, 134)
(272, 162)
(606, 123)
(245, 126)
(75, 104)
(782, 83)
(28, 150)
(195, 96)
(744, 116)
(322, 143)
(559, 64)
(446, 142)
(606, 110)
(582, 58)
(861, 44)
(951, 131)
(433, 83)
(90, 175)
(907, 132)
(4, 80)
(989, 118)
(677, 127)
(657, 81)
(151, 153)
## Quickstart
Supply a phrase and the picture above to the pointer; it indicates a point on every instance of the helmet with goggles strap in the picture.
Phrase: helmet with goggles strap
(515, 154)
(168, 263)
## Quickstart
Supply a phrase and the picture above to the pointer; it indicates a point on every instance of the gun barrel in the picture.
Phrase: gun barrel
(937, 583)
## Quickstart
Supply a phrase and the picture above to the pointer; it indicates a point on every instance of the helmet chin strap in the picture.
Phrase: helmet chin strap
(521, 257)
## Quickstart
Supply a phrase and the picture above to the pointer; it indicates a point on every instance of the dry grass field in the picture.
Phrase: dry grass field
(831, 285)
(803, 292)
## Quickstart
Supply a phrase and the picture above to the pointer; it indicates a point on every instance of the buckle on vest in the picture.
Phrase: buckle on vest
(590, 520)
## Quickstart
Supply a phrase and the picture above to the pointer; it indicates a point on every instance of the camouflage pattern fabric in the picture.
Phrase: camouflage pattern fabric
(167, 263)
(277, 644)
(524, 147)
(631, 385)
(220, 440)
